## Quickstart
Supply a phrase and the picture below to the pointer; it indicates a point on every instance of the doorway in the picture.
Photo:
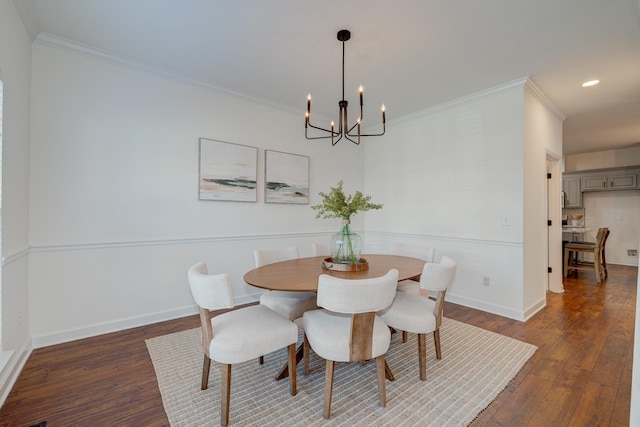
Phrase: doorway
(554, 229)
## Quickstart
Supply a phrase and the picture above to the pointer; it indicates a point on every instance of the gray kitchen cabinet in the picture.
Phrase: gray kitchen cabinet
(594, 183)
(609, 182)
(610, 179)
(572, 192)
(623, 182)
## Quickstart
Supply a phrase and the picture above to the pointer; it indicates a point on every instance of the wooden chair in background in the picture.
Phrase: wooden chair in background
(289, 305)
(320, 249)
(597, 248)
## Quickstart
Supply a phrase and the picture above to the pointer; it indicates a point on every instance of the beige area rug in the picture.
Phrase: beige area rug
(476, 366)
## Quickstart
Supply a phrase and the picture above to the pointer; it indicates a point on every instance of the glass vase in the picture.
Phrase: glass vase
(346, 245)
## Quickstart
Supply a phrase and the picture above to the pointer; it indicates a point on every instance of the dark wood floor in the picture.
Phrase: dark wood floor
(580, 375)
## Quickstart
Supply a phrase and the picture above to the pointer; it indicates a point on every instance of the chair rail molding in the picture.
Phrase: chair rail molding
(445, 238)
(15, 256)
(181, 241)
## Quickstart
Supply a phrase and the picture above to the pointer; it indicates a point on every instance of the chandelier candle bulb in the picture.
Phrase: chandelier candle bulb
(361, 89)
(383, 110)
(332, 124)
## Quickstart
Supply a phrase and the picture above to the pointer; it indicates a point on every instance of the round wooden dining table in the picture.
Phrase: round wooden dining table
(301, 274)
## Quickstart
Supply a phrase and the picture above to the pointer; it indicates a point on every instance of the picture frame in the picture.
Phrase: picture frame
(228, 171)
(286, 178)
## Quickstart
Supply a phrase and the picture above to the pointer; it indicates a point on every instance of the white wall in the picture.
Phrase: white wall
(15, 63)
(115, 219)
(448, 177)
(602, 159)
(542, 139)
(620, 211)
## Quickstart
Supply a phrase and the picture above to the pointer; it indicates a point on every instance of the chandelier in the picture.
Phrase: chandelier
(352, 133)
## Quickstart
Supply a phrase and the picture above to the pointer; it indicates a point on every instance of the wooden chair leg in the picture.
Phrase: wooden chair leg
(422, 356)
(292, 369)
(387, 371)
(405, 336)
(436, 341)
(598, 266)
(566, 262)
(306, 348)
(205, 372)
(328, 388)
(382, 389)
(225, 393)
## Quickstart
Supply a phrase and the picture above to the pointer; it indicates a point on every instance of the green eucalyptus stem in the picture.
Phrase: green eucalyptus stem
(336, 204)
(346, 235)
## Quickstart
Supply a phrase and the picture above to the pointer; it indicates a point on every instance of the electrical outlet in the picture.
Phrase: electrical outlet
(632, 252)
(486, 281)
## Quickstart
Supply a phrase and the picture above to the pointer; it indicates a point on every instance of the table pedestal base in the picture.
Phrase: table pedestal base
(284, 372)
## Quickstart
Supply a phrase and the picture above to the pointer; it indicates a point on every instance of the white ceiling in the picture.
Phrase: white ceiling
(410, 54)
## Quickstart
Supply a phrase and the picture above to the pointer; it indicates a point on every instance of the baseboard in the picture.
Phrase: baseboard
(14, 361)
(528, 313)
(489, 308)
(122, 324)
(108, 327)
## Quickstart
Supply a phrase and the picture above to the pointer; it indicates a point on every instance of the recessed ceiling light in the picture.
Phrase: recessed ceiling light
(590, 83)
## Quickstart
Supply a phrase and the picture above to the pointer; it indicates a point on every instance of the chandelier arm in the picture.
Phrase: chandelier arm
(369, 134)
(331, 134)
(352, 128)
(384, 128)
(346, 135)
(317, 137)
(322, 129)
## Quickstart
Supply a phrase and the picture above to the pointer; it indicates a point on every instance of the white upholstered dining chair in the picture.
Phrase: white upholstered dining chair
(424, 253)
(347, 328)
(420, 314)
(412, 285)
(320, 249)
(290, 305)
(238, 335)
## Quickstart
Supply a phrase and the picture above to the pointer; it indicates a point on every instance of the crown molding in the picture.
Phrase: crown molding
(464, 99)
(533, 89)
(50, 40)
